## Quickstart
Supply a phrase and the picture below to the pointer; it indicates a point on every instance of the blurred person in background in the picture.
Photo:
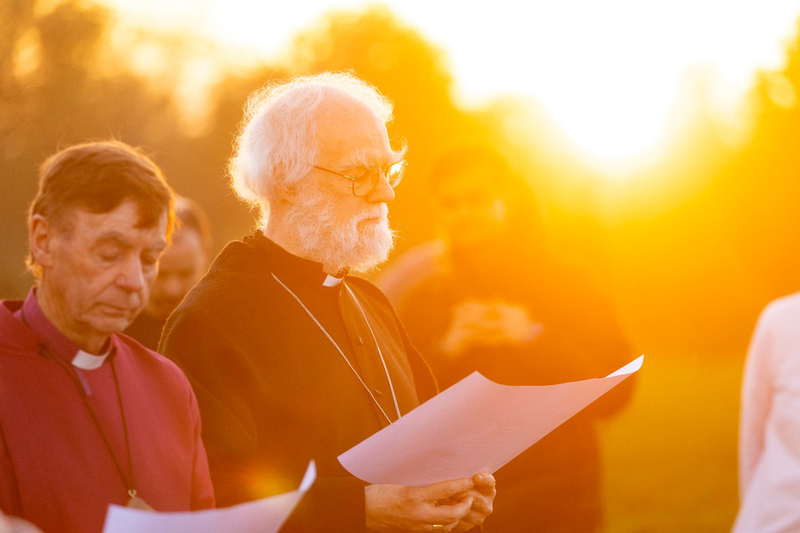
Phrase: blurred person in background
(490, 296)
(292, 357)
(182, 265)
(88, 416)
(769, 428)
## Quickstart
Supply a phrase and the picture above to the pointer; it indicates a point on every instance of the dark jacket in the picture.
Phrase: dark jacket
(555, 485)
(273, 390)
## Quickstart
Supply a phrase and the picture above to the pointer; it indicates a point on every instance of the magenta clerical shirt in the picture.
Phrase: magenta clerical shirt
(55, 469)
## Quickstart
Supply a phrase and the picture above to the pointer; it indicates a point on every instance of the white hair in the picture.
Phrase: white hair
(276, 145)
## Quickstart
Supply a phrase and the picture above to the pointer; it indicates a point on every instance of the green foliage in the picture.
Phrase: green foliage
(53, 95)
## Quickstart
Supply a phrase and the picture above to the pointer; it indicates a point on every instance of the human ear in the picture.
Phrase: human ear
(41, 241)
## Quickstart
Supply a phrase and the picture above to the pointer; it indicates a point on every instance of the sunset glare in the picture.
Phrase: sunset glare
(610, 73)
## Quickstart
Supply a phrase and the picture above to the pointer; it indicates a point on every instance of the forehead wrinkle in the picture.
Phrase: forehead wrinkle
(113, 235)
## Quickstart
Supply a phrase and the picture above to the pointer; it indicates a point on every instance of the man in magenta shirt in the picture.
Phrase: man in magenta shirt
(88, 416)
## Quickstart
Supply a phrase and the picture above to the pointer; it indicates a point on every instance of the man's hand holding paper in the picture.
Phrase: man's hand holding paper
(427, 444)
(456, 505)
(482, 495)
(397, 508)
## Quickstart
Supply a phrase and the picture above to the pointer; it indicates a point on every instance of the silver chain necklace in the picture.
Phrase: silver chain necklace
(380, 354)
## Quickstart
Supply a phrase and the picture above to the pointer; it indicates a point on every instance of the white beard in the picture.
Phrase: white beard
(340, 245)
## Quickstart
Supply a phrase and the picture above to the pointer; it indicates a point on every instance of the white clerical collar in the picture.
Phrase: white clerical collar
(332, 281)
(87, 361)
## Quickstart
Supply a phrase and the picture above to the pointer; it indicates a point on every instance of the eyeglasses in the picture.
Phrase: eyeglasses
(366, 179)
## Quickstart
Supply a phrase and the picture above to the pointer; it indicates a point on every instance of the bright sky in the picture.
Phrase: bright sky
(607, 71)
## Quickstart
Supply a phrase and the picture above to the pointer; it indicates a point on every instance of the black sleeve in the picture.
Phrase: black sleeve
(219, 371)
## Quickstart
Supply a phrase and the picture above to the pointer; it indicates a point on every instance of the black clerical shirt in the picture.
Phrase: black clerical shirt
(273, 390)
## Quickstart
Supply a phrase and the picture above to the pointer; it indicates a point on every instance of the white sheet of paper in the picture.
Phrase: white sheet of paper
(261, 516)
(474, 426)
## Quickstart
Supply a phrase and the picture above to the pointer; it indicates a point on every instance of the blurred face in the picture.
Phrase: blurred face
(181, 266)
(471, 208)
(332, 225)
(96, 274)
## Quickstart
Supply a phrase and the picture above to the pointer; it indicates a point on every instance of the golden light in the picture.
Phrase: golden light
(610, 73)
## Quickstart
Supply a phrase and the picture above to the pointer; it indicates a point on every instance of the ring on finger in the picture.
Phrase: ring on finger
(437, 527)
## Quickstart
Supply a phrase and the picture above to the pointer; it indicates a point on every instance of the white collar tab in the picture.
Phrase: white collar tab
(332, 281)
(87, 361)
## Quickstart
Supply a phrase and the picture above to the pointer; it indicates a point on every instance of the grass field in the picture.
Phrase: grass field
(670, 458)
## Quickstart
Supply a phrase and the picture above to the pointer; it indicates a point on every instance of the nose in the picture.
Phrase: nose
(131, 276)
(382, 192)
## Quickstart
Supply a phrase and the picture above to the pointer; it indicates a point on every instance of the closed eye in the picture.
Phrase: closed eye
(110, 258)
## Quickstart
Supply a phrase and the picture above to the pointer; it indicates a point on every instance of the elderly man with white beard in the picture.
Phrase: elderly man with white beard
(291, 356)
